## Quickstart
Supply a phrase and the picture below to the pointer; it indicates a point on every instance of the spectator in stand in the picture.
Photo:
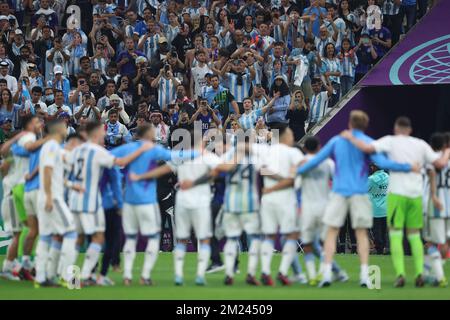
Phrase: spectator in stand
(366, 54)
(349, 61)
(298, 114)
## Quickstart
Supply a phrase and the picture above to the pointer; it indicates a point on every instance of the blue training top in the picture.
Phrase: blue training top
(352, 165)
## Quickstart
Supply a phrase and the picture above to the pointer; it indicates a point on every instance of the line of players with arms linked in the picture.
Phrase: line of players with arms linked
(64, 178)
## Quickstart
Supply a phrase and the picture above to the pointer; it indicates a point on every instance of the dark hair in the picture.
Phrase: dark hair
(113, 111)
(345, 40)
(36, 89)
(312, 144)
(142, 130)
(403, 122)
(437, 141)
(325, 49)
(316, 80)
(84, 58)
(27, 119)
(93, 126)
(50, 126)
(283, 89)
(3, 81)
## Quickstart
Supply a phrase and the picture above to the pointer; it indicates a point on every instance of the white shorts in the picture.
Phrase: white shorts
(436, 230)
(359, 206)
(197, 218)
(279, 214)
(59, 221)
(10, 217)
(30, 202)
(144, 218)
(90, 223)
(311, 223)
(235, 223)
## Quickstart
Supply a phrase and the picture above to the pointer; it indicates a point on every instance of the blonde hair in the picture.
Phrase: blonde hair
(359, 120)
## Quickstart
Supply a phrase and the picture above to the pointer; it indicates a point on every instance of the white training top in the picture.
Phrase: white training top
(279, 160)
(316, 184)
(20, 165)
(406, 149)
(191, 170)
(52, 156)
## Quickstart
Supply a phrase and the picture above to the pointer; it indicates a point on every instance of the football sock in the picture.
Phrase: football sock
(266, 255)
(417, 252)
(364, 273)
(151, 255)
(203, 258)
(397, 255)
(288, 255)
(68, 254)
(327, 272)
(179, 253)
(230, 252)
(8, 265)
(42, 250)
(310, 265)
(435, 261)
(253, 253)
(53, 259)
(129, 252)
(26, 262)
(91, 259)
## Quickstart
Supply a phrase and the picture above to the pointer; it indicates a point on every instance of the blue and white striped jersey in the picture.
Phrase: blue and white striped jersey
(151, 46)
(389, 8)
(239, 92)
(88, 161)
(349, 65)
(242, 188)
(248, 120)
(319, 104)
(99, 64)
(170, 33)
(166, 92)
(442, 182)
(332, 65)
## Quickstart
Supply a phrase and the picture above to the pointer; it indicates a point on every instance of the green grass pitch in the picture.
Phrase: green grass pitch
(165, 289)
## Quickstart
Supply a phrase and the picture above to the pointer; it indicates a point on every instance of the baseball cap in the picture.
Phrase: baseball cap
(18, 31)
(5, 121)
(114, 97)
(3, 17)
(31, 65)
(185, 11)
(57, 69)
(162, 40)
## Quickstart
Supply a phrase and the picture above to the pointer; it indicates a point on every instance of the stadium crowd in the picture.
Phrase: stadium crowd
(225, 64)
